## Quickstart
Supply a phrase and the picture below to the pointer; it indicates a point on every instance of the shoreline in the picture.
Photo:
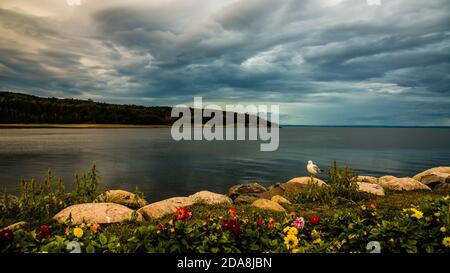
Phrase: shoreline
(78, 126)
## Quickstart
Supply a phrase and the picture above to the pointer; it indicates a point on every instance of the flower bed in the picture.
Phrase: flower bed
(423, 228)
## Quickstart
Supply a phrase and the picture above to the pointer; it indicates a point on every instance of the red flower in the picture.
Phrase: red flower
(233, 213)
(259, 220)
(182, 214)
(44, 232)
(232, 225)
(160, 227)
(6, 237)
(314, 219)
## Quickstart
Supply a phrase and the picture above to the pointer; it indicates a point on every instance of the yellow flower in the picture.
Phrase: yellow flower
(78, 232)
(443, 229)
(363, 207)
(290, 241)
(317, 241)
(445, 197)
(172, 230)
(170, 222)
(315, 234)
(292, 231)
(286, 229)
(417, 213)
(446, 241)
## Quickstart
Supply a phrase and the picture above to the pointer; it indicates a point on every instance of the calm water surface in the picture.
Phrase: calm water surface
(161, 167)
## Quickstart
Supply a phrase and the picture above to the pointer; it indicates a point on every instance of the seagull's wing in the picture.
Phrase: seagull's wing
(316, 168)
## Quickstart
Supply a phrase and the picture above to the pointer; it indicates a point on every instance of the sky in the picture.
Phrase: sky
(324, 62)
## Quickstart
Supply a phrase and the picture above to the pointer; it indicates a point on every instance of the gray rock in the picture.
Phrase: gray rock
(245, 199)
(252, 189)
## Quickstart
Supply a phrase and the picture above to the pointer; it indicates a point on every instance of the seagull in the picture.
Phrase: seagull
(312, 168)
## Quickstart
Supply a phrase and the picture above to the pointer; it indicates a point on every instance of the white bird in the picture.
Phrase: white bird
(312, 168)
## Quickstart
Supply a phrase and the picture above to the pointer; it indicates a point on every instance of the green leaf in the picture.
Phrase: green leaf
(103, 239)
(90, 249)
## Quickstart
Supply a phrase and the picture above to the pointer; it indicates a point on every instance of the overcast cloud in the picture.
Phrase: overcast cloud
(323, 61)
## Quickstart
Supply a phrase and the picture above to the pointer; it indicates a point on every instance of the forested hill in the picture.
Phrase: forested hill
(21, 108)
(27, 109)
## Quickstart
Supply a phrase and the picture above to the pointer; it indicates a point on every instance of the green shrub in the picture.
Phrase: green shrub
(342, 187)
(43, 200)
(343, 183)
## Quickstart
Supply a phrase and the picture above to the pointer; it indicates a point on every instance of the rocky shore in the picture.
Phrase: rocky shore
(116, 206)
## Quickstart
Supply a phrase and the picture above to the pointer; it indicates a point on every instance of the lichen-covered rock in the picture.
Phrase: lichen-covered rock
(97, 213)
(370, 188)
(165, 207)
(404, 183)
(245, 189)
(442, 169)
(280, 199)
(210, 198)
(122, 197)
(306, 179)
(367, 179)
(267, 205)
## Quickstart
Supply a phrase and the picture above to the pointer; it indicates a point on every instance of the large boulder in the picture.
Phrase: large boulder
(434, 179)
(267, 205)
(432, 170)
(210, 198)
(306, 179)
(282, 189)
(245, 199)
(385, 179)
(405, 183)
(370, 188)
(97, 213)
(165, 207)
(252, 189)
(121, 197)
(443, 187)
(367, 179)
(280, 199)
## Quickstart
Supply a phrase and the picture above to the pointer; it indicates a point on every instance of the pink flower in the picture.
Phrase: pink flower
(299, 223)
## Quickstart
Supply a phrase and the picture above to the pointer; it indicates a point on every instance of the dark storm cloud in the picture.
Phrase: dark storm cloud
(329, 58)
